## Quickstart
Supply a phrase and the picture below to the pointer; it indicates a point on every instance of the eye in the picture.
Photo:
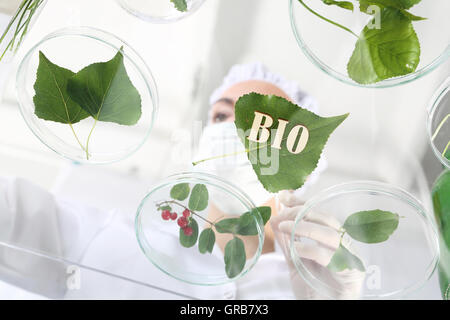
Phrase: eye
(221, 117)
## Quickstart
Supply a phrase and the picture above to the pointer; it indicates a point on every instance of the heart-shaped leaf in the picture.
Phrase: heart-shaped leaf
(343, 259)
(105, 91)
(189, 241)
(371, 226)
(180, 191)
(206, 241)
(281, 169)
(52, 101)
(391, 51)
(234, 257)
(199, 198)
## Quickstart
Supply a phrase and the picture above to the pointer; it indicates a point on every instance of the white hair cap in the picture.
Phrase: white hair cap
(257, 71)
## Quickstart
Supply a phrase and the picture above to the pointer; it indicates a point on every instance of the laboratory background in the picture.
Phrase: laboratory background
(80, 225)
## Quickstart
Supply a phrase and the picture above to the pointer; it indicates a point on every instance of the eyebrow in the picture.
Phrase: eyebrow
(226, 100)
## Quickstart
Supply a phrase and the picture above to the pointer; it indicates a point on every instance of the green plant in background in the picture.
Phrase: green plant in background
(389, 51)
(373, 226)
(180, 5)
(101, 90)
(22, 20)
(245, 225)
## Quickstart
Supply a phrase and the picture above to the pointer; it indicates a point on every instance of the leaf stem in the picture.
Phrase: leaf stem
(230, 154)
(184, 207)
(437, 132)
(76, 137)
(89, 139)
(328, 20)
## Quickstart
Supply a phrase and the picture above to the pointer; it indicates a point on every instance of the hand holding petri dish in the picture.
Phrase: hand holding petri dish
(385, 244)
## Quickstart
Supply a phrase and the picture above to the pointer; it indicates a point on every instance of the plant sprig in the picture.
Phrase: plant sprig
(381, 52)
(22, 19)
(370, 227)
(245, 225)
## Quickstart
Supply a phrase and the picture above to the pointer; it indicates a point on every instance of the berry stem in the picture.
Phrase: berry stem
(184, 207)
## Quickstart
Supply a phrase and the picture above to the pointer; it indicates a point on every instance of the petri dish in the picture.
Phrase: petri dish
(160, 240)
(315, 37)
(159, 11)
(438, 123)
(391, 268)
(89, 141)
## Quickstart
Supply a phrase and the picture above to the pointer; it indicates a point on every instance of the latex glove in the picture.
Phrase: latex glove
(324, 230)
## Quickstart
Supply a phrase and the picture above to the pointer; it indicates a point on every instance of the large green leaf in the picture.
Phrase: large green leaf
(286, 170)
(245, 225)
(180, 5)
(343, 4)
(234, 257)
(189, 241)
(199, 198)
(180, 191)
(343, 259)
(106, 92)
(371, 226)
(206, 241)
(391, 51)
(52, 102)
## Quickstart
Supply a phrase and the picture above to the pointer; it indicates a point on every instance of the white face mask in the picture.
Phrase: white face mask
(222, 139)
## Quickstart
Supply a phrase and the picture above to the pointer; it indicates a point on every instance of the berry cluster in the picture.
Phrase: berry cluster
(182, 221)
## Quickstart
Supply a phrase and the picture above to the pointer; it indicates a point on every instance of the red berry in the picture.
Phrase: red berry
(173, 216)
(188, 231)
(182, 222)
(186, 213)
(165, 214)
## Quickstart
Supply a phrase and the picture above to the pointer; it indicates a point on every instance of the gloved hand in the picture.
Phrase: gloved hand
(324, 230)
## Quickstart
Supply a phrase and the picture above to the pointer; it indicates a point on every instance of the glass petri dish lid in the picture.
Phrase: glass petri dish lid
(438, 123)
(316, 37)
(160, 11)
(385, 244)
(116, 121)
(178, 252)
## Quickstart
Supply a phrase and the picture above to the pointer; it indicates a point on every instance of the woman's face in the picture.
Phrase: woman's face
(223, 109)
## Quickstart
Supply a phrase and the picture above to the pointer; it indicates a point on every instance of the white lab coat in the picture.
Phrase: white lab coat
(41, 235)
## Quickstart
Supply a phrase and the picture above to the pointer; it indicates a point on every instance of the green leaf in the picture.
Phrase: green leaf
(180, 191)
(344, 259)
(287, 170)
(206, 241)
(52, 102)
(105, 91)
(343, 4)
(180, 5)
(189, 241)
(163, 208)
(391, 51)
(371, 226)
(234, 257)
(199, 198)
(412, 17)
(245, 225)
